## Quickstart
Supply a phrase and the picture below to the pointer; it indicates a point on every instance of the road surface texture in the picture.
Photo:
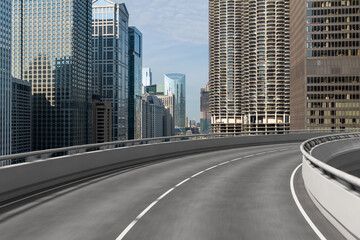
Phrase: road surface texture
(248, 198)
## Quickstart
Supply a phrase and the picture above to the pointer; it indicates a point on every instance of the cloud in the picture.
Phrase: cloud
(175, 20)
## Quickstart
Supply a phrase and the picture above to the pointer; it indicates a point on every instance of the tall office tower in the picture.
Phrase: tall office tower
(325, 60)
(135, 82)
(21, 116)
(146, 78)
(110, 55)
(5, 77)
(205, 117)
(249, 65)
(175, 83)
(52, 49)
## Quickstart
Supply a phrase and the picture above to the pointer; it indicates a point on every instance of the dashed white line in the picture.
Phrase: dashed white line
(301, 209)
(131, 225)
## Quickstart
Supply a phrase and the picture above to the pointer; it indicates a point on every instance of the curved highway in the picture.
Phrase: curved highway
(231, 194)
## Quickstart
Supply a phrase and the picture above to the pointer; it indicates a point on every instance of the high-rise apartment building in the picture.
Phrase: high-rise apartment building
(175, 83)
(146, 78)
(21, 126)
(52, 49)
(205, 117)
(5, 77)
(135, 82)
(110, 58)
(325, 60)
(249, 74)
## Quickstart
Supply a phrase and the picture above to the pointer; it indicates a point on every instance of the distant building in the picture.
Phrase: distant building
(156, 89)
(21, 126)
(110, 50)
(169, 102)
(186, 121)
(176, 83)
(169, 129)
(146, 78)
(153, 117)
(102, 121)
(57, 60)
(205, 116)
(325, 64)
(5, 77)
(135, 82)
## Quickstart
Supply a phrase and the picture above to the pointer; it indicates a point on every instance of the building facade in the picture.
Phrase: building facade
(249, 68)
(146, 78)
(325, 60)
(5, 77)
(176, 83)
(135, 82)
(21, 126)
(205, 117)
(169, 103)
(110, 58)
(156, 89)
(52, 49)
(102, 121)
(153, 117)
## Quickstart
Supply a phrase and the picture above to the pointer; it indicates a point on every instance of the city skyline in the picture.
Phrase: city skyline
(175, 41)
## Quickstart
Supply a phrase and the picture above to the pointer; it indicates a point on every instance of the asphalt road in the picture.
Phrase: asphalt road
(248, 198)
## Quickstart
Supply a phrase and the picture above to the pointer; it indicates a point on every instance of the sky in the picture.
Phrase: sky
(175, 40)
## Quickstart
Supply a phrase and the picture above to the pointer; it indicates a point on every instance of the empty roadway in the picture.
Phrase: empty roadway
(249, 198)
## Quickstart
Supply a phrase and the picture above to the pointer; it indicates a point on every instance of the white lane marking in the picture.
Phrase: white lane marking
(127, 229)
(197, 174)
(169, 191)
(131, 225)
(146, 210)
(179, 184)
(301, 209)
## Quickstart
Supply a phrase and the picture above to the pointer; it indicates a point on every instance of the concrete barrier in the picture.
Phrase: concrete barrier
(24, 179)
(338, 200)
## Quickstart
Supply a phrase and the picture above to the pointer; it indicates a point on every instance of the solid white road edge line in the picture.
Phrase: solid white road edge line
(301, 209)
(131, 225)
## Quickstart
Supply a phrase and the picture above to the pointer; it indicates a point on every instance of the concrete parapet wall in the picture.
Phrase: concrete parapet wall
(20, 180)
(338, 202)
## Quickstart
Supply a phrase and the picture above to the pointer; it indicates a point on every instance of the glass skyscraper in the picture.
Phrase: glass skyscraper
(175, 83)
(110, 54)
(135, 82)
(52, 49)
(5, 77)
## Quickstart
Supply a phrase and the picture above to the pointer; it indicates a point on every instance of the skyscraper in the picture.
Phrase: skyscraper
(146, 78)
(249, 65)
(135, 82)
(52, 49)
(110, 55)
(176, 83)
(205, 117)
(325, 60)
(5, 77)
(21, 126)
